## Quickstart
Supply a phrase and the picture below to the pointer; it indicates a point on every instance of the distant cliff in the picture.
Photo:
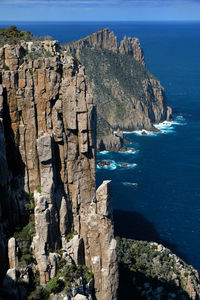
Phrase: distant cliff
(127, 96)
(55, 228)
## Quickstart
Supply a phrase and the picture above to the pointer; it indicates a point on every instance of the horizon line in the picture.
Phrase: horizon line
(96, 21)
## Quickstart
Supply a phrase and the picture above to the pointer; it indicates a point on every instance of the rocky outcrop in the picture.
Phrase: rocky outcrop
(102, 39)
(102, 238)
(127, 96)
(131, 46)
(48, 145)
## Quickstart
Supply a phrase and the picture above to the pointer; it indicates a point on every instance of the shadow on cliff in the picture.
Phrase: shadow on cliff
(11, 195)
(132, 225)
(136, 285)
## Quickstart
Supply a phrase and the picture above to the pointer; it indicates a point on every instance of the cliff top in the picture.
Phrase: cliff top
(13, 35)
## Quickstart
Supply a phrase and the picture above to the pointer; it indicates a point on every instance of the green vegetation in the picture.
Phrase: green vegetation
(55, 285)
(24, 239)
(38, 188)
(142, 262)
(70, 235)
(12, 35)
(27, 233)
(66, 278)
(39, 293)
(30, 206)
(37, 54)
(117, 82)
(6, 68)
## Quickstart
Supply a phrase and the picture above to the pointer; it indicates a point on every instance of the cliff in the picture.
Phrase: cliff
(127, 96)
(50, 211)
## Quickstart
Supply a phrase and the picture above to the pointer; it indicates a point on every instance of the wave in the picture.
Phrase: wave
(144, 132)
(103, 152)
(114, 165)
(168, 126)
(130, 151)
(131, 166)
(131, 184)
(165, 127)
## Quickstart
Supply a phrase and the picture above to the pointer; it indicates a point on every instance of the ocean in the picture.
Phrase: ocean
(157, 195)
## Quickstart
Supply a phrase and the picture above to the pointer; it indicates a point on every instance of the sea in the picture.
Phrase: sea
(156, 196)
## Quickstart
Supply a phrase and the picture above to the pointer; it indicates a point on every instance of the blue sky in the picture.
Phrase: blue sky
(99, 10)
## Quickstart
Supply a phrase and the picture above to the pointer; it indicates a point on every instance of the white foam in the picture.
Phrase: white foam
(144, 132)
(103, 152)
(132, 184)
(168, 126)
(131, 166)
(131, 151)
(127, 165)
(112, 166)
(165, 127)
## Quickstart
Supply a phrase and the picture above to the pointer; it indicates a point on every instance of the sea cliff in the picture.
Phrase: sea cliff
(127, 96)
(47, 175)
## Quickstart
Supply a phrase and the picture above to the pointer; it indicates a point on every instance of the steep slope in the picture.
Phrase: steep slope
(48, 199)
(127, 96)
(150, 271)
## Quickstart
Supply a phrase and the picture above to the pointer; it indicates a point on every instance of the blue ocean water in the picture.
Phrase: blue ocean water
(157, 196)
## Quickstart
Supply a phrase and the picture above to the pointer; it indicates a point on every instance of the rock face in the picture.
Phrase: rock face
(127, 96)
(47, 140)
(102, 39)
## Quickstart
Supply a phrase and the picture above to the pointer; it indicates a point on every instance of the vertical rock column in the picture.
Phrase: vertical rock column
(46, 219)
(102, 250)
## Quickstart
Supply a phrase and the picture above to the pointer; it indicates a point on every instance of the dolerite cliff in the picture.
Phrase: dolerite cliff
(127, 96)
(52, 219)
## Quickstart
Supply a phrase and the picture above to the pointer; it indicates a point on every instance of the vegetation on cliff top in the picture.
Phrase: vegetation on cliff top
(12, 35)
(149, 270)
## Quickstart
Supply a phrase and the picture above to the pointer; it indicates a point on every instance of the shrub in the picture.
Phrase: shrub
(6, 68)
(39, 293)
(30, 206)
(55, 285)
(27, 232)
(70, 236)
(12, 35)
(38, 188)
(27, 258)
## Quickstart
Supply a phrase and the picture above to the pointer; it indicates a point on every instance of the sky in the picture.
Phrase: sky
(99, 10)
